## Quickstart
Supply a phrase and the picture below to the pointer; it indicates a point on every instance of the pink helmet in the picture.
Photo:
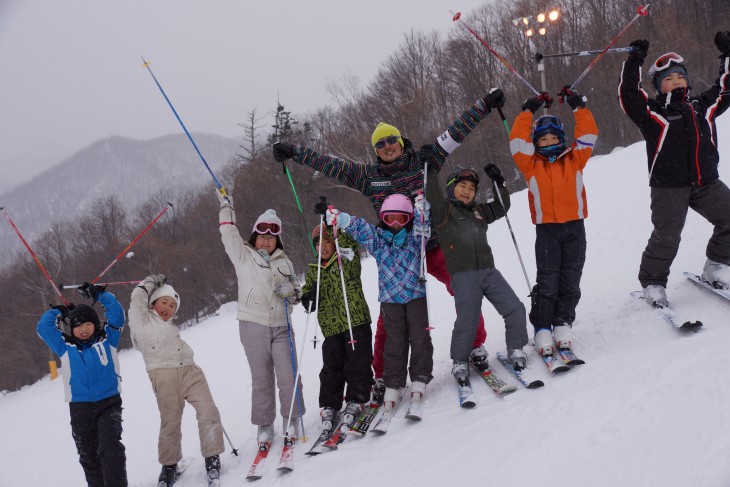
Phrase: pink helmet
(398, 203)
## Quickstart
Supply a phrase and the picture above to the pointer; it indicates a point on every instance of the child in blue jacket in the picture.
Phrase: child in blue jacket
(90, 372)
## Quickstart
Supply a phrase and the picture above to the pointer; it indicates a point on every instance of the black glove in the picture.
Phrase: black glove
(91, 291)
(63, 309)
(722, 41)
(426, 155)
(321, 207)
(494, 99)
(640, 48)
(495, 174)
(533, 104)
(574, 98)
(283, 151)
(307, 299)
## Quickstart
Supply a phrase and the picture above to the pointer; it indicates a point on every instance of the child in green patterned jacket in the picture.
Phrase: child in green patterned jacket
(341, 362)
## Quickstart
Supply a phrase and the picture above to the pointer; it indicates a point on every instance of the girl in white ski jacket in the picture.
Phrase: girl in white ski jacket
(267, 291)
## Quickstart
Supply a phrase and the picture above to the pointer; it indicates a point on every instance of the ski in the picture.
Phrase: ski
(381, 427)
(415, 409)
(668, 315)
(569, 357)
(552, 363)
(214, 482)
(706, 285)
(286, 462)
(317, 448)
(365, 420)
(340, 433)
(524, 375)
(254, 473)
(182, 465)
(499, 386)
(467, 398)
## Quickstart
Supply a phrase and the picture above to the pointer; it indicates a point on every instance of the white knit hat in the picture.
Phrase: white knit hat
(166, 290)
(269, 216)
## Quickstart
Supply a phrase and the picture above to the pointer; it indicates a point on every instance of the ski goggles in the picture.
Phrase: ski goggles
(396, 219)
(386, 141)
(547, 122)
(465, 175)
(665, 61)
(265, 227)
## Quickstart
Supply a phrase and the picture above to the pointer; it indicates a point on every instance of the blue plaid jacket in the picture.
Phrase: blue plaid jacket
(398, 265)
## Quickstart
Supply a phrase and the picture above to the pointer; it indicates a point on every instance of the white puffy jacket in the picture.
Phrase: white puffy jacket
(257, 278)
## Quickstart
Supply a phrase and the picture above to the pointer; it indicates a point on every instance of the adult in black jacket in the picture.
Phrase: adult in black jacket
(681, 147)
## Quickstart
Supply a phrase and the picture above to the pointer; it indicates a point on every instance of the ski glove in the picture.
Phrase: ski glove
(91, 291)
(494, 99)
(639, 50)
(225, 200)
(307, 299)
(320, 208)
(495, 174)
(426, 155)
(283, 151)
(421, 204)
(158, 280)
(337, 217)
(722, 41)
(64, 310)
(533, 104)
(575, 100)
(285, 290)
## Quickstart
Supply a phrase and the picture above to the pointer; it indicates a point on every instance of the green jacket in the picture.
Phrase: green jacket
(331, 311)
(461, 230)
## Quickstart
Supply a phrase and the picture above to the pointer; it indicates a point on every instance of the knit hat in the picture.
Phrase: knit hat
(325, 233)
(269, 216)
(385, 130)
(166, 291)
(81, 314)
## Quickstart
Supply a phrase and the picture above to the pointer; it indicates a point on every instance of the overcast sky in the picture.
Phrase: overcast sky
(72, 74)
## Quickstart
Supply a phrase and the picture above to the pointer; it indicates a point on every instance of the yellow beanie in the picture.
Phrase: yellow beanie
(385, 130)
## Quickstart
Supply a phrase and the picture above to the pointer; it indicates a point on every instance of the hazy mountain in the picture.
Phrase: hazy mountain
(131, 169)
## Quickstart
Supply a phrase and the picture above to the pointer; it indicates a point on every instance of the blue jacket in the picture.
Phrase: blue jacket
(398, 265)
(90, 371)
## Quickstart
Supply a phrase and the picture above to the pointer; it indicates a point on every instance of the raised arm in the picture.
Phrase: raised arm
(633, 99)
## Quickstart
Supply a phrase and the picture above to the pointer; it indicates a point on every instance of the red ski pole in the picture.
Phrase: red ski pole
(35, 257)
(640, 12)
(116, 259)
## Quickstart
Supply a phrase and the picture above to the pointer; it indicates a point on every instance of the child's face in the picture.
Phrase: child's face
(266, 241)
(674, 80)
(328, 248)
(83, 331)
(165, 307)
(465, 191)
(548, 139)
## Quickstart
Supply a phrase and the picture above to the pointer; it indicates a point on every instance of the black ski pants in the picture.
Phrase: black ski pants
(97, 432)
(560, 252)
(341, 364)
(669, 208)
(406, 326)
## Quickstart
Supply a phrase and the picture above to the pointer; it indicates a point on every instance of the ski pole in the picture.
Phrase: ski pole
(424, 263)
(35, 257)
(422, 277)
(221, 189)
(295, 370)
(319, 268)
(342, 280)
(613, 50)
(509, 225)
(299, 206)
(116, 259)
(76, 286)
(640, 12)
(233, 450)
(457, 18)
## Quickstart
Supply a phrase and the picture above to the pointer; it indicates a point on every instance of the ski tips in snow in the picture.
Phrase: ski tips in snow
(668, 315)
(524, 375)
(708, 286)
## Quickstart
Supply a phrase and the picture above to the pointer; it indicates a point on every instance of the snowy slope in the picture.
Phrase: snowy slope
(648, 409)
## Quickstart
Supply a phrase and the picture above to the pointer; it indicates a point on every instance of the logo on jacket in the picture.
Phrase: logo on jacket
(380, 184)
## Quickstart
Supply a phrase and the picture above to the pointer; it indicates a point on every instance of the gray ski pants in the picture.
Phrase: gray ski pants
(469, 289)
(668, 213)
(172, 387)
(269, 358)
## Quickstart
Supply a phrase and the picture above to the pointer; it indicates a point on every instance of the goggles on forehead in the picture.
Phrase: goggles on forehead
(547, 122)
(386, 141)
(465, 175)
(270, 228)
(396, 219)
(666, 61)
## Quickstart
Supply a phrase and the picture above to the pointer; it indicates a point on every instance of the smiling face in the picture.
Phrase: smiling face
(84, 331)
(265, 241)
(672, 81)
(165, 307)
(390, 152)
(465, 191)
(328, 248)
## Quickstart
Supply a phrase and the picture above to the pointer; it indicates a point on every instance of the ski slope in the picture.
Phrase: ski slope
(649, 408)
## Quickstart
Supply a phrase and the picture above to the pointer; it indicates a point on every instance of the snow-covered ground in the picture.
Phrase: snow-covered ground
(649, 408)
